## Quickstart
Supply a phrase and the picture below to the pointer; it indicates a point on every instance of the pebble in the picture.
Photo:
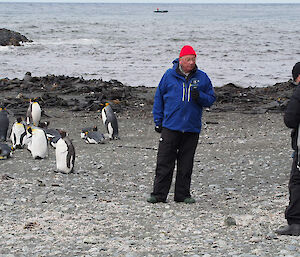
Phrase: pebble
(229, 221)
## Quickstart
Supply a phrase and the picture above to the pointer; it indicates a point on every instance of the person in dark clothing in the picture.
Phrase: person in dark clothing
(292, 120)
(177, 111)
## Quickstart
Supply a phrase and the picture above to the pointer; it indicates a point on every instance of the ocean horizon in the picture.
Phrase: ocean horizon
(250, 45)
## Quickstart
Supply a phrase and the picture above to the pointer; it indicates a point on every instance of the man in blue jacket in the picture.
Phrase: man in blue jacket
(177, 111)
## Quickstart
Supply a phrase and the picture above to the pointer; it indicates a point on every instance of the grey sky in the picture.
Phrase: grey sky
(158, 2)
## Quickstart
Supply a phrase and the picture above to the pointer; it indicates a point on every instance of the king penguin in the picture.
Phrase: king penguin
(110, 121)
(34, 113)
(65, 154)
(4, 123)
(37, 142)
(84, 130)
(53, 136)
(18, 133)
(5, 151)
(94, 137)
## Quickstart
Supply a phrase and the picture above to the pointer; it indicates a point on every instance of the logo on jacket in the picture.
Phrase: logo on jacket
(195, 81)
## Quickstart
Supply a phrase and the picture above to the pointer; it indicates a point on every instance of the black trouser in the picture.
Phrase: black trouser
(292, 213)
(174, 146)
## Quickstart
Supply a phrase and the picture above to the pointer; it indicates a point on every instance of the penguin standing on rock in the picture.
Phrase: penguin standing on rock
(110, 121)
(4, 123)
(18, 133)
(37, 142)
(34, 113)
(65, 154)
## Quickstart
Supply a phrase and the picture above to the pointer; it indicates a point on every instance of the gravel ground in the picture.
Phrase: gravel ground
(241, 172)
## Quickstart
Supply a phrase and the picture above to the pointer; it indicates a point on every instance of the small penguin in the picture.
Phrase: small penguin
(18, 133)
(27, 77)
(44, 125)
(4, 123)
(37, 142)
(94, 137)
(110, 122)
(84, 130)
(53, 136)
(65, 154)
(34, 113)
(5, 151)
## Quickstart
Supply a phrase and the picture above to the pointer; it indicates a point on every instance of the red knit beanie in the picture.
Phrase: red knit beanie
(186, 50)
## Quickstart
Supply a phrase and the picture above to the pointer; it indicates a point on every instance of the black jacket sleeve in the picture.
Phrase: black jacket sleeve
(292, 113)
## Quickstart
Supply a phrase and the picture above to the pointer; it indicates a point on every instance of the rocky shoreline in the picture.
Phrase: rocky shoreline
(77, 94)
(240, 177)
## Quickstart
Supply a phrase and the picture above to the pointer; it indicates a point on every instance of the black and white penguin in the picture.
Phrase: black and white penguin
(94, 137)
(65, 154)
(18, 133)
(84, 130)
(110, 122)
(36, 141)
(5, 151)
(4, 123)
(53, 136)
(34, 113)
(27, 77)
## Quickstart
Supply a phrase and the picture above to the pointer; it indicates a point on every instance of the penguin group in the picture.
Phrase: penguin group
(36, 136)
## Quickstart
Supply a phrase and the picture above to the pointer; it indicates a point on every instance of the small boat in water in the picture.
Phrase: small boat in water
(160, 11)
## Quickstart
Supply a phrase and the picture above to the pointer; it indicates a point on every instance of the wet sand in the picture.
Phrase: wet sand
(241, 171)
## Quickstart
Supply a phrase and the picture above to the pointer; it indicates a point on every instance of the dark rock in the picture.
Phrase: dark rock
(253, 99)
(78, 94)
(9, 37)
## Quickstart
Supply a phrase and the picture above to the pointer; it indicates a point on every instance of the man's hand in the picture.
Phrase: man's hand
(158, 128)
(194, 93)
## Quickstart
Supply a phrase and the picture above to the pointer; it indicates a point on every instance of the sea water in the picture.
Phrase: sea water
(246, 44)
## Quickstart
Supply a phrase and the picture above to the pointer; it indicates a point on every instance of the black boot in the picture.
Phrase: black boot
(290, 230)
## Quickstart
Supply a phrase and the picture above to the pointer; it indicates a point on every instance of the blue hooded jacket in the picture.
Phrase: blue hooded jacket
(174, 107)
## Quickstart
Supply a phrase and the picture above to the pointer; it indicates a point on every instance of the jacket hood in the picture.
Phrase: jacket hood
(175, 63)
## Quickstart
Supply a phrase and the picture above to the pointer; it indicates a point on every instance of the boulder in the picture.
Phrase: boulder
(9, 37)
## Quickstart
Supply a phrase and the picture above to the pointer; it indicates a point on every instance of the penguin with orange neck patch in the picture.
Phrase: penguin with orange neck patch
(110, 121)
(18, 133)
(65, 154)
(37, 143)
(34, 113)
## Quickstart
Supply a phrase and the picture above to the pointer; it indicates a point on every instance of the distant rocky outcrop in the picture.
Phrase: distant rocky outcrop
(9, 37)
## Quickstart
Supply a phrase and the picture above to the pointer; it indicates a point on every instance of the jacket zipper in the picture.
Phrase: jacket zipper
(188, 93)
(184, 96)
